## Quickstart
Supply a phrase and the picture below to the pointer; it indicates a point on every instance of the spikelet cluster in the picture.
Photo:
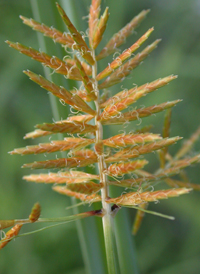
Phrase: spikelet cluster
(120, 158)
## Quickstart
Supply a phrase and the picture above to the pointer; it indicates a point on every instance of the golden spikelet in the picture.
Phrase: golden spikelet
(85, 188)
(52, 62)
(66, 144)
(83, 197)
(60, 92)
(67, 127)
(124, 56)
(125, 167)
(35, 213)
(134, 199)
(123, 71)
(86, 80)
(14, 231)
(126, 98)
(6, 223)
(80, 43)
(61, 163)
(136, 151)
(123, 140)
(119, 38)
(56, 35)
(137, 114)
(70, 177)
(100, 28)
(95, 9)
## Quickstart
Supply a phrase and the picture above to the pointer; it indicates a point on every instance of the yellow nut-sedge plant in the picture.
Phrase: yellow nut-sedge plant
(119, 160)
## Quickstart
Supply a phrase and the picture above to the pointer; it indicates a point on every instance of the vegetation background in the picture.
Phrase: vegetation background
(163, 246)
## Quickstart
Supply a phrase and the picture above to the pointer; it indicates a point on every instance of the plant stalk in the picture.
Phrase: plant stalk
(107, 219)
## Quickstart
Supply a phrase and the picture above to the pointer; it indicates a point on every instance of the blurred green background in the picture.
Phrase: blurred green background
(163, 246)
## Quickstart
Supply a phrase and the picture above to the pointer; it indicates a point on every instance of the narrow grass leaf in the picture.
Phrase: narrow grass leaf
(153, 212)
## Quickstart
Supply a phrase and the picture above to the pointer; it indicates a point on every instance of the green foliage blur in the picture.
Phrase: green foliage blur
(162, 246)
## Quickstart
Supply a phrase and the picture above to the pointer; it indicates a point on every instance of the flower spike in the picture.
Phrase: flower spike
(117, 160)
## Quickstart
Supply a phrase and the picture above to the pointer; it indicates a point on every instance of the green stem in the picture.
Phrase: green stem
(125, 241)
(107, 219)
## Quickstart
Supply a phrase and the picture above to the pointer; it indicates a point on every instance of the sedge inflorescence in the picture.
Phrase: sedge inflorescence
(119, 159)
